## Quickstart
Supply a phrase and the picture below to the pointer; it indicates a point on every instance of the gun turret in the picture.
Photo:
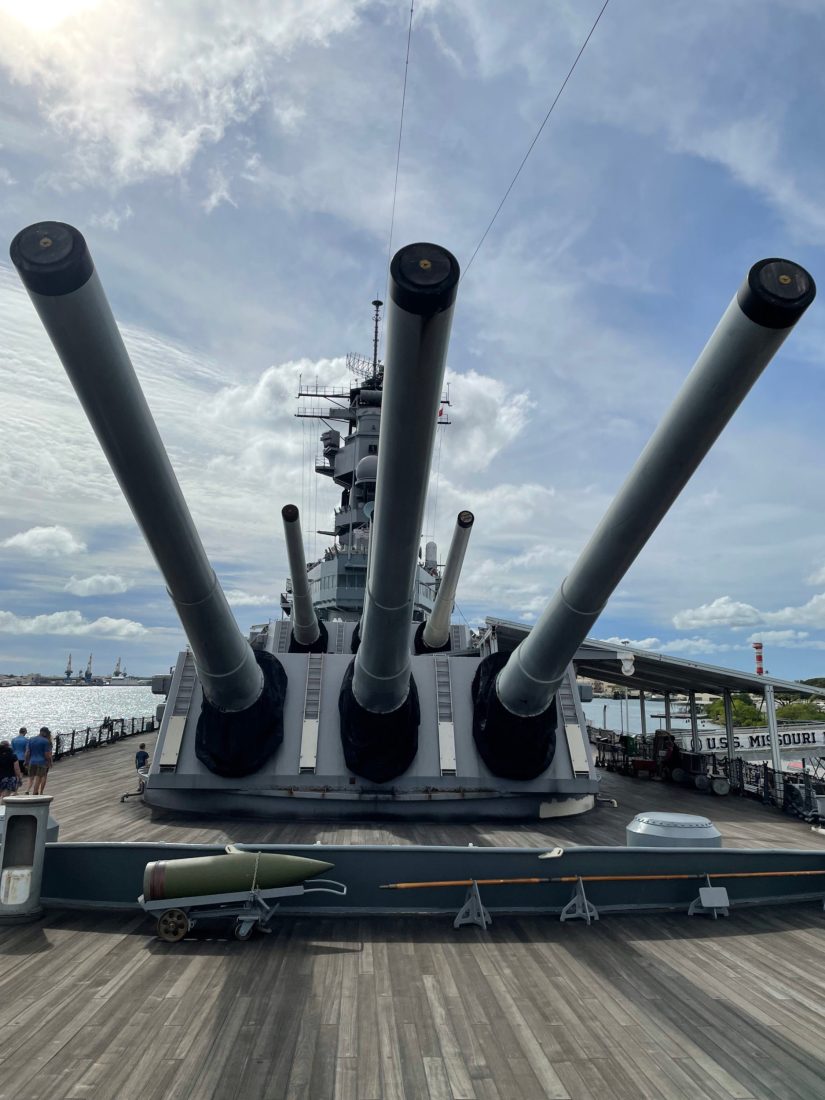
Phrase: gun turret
(241, 723)
(434, 634)
(378, 701)
(308, 635)
(514, 718)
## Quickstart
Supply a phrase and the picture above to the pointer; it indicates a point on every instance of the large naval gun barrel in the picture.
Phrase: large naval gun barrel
(435, 634)
(57, 270)
(378, 703)
(308, 635)
(770, 301)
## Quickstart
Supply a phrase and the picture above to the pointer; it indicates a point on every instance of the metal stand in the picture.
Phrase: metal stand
(712, 899)
(579, 908)
(472, 911)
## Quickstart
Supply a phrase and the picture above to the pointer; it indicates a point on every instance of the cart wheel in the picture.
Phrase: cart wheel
(172, 925)
(243, 930)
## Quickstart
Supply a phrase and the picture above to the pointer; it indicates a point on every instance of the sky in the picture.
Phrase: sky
(232, 167)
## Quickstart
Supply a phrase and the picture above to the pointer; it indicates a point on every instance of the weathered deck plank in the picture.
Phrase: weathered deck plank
(87, 791)
(631, 1007)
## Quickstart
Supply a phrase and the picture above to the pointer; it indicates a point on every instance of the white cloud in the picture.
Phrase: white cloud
(97, 585)
(571, 331)
(731, 613)
(689, 647)
(44, 17)
(784, 638)
(139, 97)
(696, 647)
(111, 218)
(643, 643)
(45, 542)
(487, 415)
(71, 622)
(218, 191)
(238, 598)
(721, 612)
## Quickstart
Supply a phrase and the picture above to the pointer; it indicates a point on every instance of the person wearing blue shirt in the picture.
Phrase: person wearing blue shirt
(39, 760)
(141, 757)
(19, 744)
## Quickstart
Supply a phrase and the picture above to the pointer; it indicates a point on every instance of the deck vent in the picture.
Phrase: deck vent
(663, 830)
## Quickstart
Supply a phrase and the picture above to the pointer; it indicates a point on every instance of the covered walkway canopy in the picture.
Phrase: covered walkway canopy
(653, 672)
(642, 671)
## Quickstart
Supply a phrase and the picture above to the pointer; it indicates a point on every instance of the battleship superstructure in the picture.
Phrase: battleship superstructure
(350, 459)
(367, 699)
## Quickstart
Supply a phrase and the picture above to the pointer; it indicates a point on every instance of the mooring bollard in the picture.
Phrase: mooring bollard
(22, 849)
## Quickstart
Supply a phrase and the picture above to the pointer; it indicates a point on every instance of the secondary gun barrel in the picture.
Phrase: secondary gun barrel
(56, 268)
(770, 301)
(423, 283)
(304, 620)
(437, 628)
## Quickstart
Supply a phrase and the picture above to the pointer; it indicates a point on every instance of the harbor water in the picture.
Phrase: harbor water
(63, 709)
(624, 716)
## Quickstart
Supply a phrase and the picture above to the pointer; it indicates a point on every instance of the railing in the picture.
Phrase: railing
(795, 792)
(116, 729)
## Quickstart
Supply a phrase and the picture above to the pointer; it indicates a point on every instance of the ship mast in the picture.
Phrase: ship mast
(377, 303)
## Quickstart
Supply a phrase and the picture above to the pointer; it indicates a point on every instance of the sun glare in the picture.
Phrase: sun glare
(44, 15)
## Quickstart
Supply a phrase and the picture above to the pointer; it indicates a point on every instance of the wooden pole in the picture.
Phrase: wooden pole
(466, 882)
(595, 878)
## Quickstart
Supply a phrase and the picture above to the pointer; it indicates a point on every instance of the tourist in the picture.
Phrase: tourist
(19, 744)
(141, 757)
(10, 775)
(39, 760)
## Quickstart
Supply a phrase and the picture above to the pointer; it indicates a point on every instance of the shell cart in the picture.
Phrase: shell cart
(176, 917)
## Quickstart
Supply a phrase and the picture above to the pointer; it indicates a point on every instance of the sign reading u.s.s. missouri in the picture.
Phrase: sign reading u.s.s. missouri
(794, 741)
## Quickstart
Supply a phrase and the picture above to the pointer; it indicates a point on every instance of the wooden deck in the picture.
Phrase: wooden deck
(87, 790)
(631, 1007)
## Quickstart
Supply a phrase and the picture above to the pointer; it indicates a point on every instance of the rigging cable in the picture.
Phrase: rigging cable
(535, 139)
(398, 160)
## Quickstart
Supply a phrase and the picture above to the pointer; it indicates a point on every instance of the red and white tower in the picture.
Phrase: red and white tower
(760, 668)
